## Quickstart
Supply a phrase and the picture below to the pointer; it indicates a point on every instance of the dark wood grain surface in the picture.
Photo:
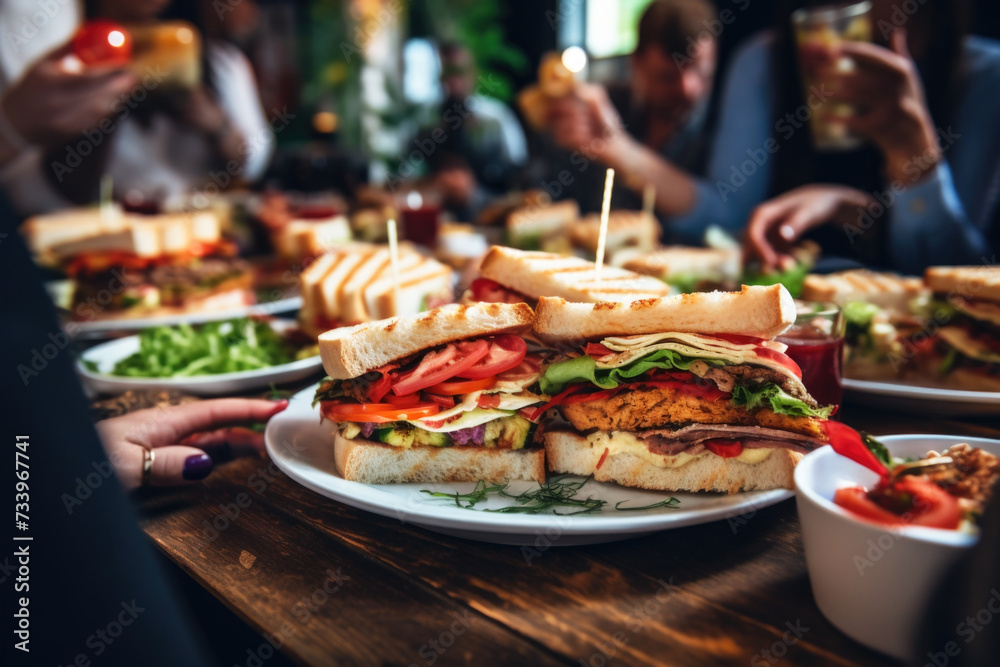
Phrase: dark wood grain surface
(332, 585)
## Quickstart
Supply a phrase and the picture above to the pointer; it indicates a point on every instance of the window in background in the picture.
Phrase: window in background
(421, 72)
(611, 26)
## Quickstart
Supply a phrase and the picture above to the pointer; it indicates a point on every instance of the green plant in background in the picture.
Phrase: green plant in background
(475, 23)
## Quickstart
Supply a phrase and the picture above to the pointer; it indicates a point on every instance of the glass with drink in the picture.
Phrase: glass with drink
(816, 343)
(421, 218)
(824, 29)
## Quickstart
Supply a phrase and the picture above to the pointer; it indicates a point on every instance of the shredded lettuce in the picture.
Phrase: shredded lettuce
(773, 396)
(584, 369)
(860, 313)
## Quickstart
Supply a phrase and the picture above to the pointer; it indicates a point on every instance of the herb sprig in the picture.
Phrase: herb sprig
(556, 493)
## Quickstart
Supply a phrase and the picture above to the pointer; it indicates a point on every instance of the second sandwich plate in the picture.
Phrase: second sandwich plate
(922, 400)
(303, 448)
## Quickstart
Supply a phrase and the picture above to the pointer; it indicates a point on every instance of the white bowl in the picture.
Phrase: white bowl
(870, 581)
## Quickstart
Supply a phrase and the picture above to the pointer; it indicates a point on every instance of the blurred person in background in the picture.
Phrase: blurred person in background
(173, 142)
(43, 100)
(658, 115)
(925, 100)
(483, 146)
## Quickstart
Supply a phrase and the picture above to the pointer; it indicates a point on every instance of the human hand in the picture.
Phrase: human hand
(198, 109)
(887, 96)
(588, 122)
(776, 226)
(187, 439)
(54, 101)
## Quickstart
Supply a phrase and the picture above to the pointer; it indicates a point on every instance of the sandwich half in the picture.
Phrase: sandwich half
(683, 393)
(961, 345)
(509, 276)
(437, 397)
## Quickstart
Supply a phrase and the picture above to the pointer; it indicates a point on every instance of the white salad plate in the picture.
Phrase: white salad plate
(302, 447)
(106, 355)
(923, 400)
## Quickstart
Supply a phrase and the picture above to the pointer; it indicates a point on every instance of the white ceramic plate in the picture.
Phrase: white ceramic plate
(107, 354)
(873, 582)
(923, 400)
(303, 448)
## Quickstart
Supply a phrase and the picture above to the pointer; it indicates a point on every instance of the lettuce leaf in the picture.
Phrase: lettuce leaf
(584, 369)
(773, 396)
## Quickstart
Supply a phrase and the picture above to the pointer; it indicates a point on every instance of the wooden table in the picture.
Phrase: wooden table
(332, 585)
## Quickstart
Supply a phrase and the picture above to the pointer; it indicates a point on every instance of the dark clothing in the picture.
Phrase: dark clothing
(90, 581)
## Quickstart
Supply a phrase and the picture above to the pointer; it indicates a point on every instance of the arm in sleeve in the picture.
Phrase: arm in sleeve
(929, 225)
(240, 99)
(739, 171)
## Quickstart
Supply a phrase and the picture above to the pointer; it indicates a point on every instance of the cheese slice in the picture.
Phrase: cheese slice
(621, 442)
(630, 348)
(960, 339)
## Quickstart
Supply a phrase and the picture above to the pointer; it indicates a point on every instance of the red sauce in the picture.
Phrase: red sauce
(821, 360)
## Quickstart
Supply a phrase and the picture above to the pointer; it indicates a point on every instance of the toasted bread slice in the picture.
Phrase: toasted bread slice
(971, 282)
(349, 352)
(374, 463)
(758, 311)
(577, 454)
(542, 220)
(626, 229)
(886, 290)
(710, 264)
(425, 277)
(538, 274)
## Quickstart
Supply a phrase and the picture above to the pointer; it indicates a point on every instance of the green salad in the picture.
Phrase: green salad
(209, 349)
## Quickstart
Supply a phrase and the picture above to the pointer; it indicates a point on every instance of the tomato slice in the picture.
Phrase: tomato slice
(440, 365)
(593, 396)
(506, 352)
(407, 400)
(444, 401)
(381, 387)
(376, 413)
(782, 359)
(598, 350)
(484, 289)
(462, 387)
(529, 367)
(935, 507)
(855, 499)
(724, 447)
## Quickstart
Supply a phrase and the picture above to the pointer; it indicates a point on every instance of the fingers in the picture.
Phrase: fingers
(175, 423)
(897, 41)
(227, 443)
(179, 465)
(758, 244)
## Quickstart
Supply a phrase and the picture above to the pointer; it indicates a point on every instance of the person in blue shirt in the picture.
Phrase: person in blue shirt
(923, 189)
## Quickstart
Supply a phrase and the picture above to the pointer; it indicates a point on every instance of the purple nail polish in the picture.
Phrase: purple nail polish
(197, 467)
